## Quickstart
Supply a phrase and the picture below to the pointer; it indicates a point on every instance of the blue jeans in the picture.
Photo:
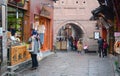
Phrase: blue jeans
(41, 37)
(34, 60)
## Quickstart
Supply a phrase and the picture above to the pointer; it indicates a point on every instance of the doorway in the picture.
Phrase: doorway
(65, 32)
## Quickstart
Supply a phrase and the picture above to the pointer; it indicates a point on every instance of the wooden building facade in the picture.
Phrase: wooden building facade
(42, 11)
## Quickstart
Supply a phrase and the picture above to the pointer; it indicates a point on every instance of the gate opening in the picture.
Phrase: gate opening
(65, 33)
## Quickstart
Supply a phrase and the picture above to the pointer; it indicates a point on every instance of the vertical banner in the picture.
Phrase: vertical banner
(1, 57)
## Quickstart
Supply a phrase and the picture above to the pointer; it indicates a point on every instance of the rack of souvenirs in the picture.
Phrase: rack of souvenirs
(61, 45)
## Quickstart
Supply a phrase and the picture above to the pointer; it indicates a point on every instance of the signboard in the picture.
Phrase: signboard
(117, 47)
(96, 35)
(17, 2)
(18, 54)
(116, 34)
(45, 12)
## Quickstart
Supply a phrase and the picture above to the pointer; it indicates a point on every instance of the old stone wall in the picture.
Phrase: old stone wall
(77, 12)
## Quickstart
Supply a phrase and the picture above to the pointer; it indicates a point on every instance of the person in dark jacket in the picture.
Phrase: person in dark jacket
(105, 46)
(100, 46)
(71, 42)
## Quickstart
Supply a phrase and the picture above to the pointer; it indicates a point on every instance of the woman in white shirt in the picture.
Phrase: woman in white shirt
(41, 31)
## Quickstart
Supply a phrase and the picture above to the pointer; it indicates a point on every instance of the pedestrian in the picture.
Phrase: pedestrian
(75, 44)
(85, 48)
(100, 46)
(70, 39)
(105, 46)
(79, 46)
(34, 49)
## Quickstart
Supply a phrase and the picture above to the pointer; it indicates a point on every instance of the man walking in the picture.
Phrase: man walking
(100, 46)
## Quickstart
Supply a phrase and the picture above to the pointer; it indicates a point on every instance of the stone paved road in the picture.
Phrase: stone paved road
(72, 64)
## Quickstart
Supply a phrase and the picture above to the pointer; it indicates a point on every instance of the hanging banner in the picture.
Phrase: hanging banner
(117, 34)
(1, 52)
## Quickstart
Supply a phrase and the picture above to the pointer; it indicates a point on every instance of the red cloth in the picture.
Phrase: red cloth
(105, 45)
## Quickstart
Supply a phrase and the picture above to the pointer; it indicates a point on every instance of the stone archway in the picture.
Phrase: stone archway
(87, 28)
(75, 25)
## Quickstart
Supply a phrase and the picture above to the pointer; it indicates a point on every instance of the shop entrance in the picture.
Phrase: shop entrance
(47, 37)
(65, 33)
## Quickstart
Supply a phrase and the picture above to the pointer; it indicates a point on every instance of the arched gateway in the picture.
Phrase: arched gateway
(75, 26)
(78, 29)
(67, 29)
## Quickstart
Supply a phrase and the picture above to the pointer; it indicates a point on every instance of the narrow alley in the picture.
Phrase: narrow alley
(38, 28)
(72, 64)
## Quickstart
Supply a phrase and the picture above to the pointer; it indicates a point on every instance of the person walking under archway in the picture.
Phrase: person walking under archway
(100, 46)
(79, 46)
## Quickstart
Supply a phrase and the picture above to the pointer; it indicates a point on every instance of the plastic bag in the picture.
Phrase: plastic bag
(39, 56)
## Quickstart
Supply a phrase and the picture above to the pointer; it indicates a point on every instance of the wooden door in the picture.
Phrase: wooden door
(47, 38)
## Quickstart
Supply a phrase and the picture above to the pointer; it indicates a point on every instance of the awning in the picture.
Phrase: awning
(106, 24)
(106, 11)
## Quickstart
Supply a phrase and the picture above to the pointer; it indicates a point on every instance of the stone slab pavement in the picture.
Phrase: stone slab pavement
(72, 64)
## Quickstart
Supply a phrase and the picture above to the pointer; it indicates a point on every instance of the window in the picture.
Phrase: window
(76, 2)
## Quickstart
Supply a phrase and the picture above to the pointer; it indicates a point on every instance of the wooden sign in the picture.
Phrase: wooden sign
(57, 45)
(18, 54)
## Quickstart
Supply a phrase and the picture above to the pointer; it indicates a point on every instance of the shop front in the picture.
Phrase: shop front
(41, 12)
(17, 23)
